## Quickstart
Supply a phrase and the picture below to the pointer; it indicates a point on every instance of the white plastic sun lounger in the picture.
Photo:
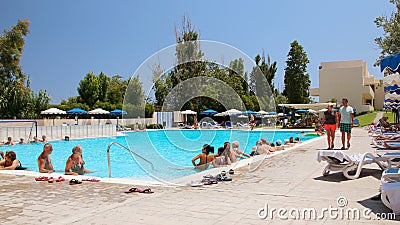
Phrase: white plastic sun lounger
(338, 161)
(391, 189)
(380, 143)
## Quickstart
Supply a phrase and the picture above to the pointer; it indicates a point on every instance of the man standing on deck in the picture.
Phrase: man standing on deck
(346, 118)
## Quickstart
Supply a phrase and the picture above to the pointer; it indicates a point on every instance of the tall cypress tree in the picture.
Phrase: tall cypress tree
(297, 80)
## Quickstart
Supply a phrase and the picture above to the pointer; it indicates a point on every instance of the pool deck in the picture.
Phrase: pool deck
(289, 180)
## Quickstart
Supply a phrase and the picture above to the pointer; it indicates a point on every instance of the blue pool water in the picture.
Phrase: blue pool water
(170, 151)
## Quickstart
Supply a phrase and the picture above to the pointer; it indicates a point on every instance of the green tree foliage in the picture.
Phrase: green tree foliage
(89, 90)
(297, 81)
(390, 42)
(16, 98)
(116, 90)
(104, 82)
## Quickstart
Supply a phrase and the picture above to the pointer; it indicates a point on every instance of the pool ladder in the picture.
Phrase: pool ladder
(116, 143)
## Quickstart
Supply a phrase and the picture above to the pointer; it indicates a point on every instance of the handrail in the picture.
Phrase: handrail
(116, 143)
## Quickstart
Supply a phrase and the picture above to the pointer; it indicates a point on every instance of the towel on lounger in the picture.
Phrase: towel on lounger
(392, 191)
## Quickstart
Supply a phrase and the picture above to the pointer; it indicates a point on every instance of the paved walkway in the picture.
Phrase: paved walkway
(378, 116)
(291, 181)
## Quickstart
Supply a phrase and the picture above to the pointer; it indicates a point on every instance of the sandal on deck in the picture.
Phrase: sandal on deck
(41, 178)
(75, 181)
(146, 191)
(133, 190)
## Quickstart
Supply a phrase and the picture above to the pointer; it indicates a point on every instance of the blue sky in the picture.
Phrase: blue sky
(70, 38)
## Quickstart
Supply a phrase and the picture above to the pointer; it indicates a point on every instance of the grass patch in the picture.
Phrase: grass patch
(366, 119)
(390, 116)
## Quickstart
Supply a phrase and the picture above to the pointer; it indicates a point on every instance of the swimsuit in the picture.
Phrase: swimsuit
(77, 167)
(47, 163)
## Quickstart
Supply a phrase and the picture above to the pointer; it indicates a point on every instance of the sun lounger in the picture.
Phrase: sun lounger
(338, 161)
(380, 143)
(391, 189)
(214, 124)
(228, 125)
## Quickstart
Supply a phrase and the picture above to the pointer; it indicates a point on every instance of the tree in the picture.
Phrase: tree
(15, 95)
(297, 81)
(390, 42)
(104, 82)
(88, 89)
(116, 90)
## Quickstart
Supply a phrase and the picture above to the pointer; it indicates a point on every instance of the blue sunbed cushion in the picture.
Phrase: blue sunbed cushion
(392, 170)
(392, 154)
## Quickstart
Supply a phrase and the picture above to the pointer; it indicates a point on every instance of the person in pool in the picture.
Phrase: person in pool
(44, 139)
(10, 162)
(237, 152)
(9, 141)
(204, 156)
(221, 158)
(22, 141)
(75, 164)
(44, 161)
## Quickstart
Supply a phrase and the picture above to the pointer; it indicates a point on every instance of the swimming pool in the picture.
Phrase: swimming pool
(170, 151)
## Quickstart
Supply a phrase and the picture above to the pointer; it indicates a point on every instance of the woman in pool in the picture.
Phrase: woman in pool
(10, 162)
(205, 157)
(75, 163)
(221, 158)
(237, 152)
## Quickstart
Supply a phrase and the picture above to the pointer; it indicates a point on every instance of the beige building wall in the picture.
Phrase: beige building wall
(349, 79)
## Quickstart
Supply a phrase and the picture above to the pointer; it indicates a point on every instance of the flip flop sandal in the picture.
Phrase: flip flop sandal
(231, 172)
(75, 181)
(206, 181)
(147, 191)
(220, 177)
(41, 178)
(209, 176)
(50, 180)
(213, 181)
(60, 178)
(223, 172)
(133, 190)
(225, 178)
(91, 179)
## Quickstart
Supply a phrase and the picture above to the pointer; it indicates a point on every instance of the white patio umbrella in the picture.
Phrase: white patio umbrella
(53, 111)
(98, 111)
(233, 112)
(221, 114)
(188, 112)
(262, 112)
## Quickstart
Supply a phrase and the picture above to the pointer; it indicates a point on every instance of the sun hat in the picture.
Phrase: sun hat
(278, 142)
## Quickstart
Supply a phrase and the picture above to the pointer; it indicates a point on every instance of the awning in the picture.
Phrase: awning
(391, 63)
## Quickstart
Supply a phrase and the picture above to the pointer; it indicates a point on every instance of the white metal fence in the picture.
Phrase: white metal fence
(57, 132)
